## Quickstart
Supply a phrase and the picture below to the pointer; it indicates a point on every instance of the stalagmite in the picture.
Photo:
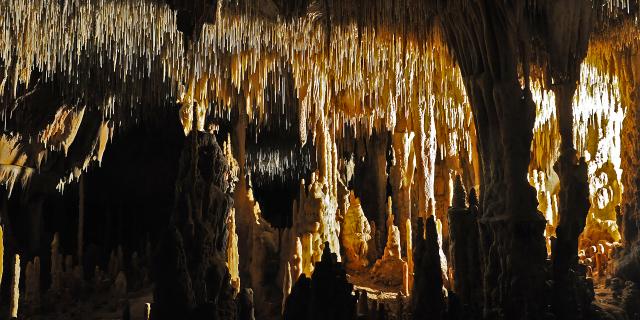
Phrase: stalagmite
(232, 251)
(389, 269)
(297, 268)
(427, 295)
(464, 250)
(15, 288)
(32, 284)
(355, 235)
(409, 246)
(56, 264)
(286, 285)
(147, 311)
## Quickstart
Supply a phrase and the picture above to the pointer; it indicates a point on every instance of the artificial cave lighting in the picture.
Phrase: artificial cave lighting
(305, 159)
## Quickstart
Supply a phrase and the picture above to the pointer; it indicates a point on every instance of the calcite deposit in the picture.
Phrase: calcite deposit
(355, 235)
(267, 159)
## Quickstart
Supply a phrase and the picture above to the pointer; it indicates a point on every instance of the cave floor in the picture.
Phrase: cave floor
(97, 306)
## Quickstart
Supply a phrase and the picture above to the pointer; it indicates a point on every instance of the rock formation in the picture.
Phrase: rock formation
(15, 288)
(389, 269)
(301, 118)
(191, 274)
(355, 235)
(327, 295)
(427, 296)
(32, 284)
(464, 250)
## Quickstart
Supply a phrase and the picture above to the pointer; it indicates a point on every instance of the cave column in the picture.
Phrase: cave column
(424, 145)
(402, 175)
(573, 203)
(485, 39)
(377, 150)
(630, 135)
(567, 44)
(243, 209)
(630, 164)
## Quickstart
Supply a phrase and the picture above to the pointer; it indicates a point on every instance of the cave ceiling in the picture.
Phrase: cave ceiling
(73, 74)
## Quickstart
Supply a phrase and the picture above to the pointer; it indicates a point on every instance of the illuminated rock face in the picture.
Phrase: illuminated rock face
(356, 232)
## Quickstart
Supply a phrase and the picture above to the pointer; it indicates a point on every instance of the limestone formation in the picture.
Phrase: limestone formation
(232, 252)
(327, 295)
(464, 259)
(32, 284)
(287, 105)
(15, 288)
(297, 268)
(191, 272)
(427, 296)
(56, 265)
(401, 175)
(389, 269)
(355, 235)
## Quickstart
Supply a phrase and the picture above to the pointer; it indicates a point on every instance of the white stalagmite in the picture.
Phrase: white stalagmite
(15, 287)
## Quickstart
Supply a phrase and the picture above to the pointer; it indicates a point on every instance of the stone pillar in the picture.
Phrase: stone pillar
(504, 114)
(628, 266)
(401, 177)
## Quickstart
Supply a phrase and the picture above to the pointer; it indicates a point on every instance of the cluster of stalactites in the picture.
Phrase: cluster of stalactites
(369, 75)
(598, 112)
(596, 115)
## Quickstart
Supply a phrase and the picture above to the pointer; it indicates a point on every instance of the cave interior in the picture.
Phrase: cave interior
(320, 159)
